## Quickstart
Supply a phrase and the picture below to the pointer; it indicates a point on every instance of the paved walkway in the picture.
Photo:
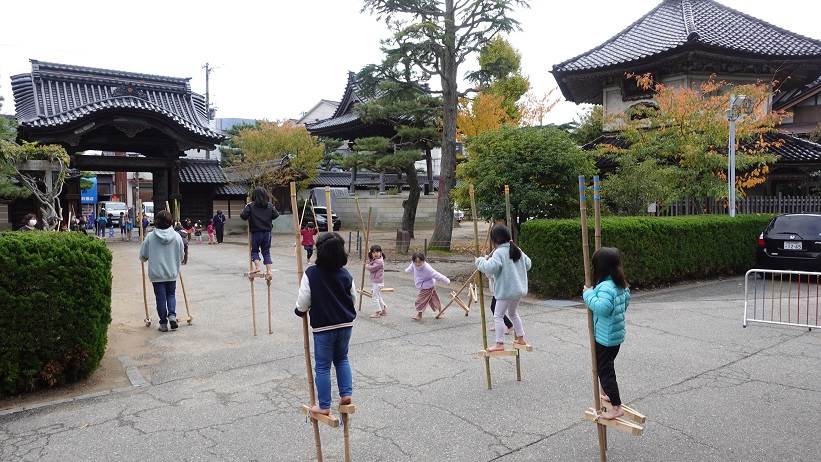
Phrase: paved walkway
(711, 390)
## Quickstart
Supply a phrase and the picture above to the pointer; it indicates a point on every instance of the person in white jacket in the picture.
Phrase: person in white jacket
(508, 266)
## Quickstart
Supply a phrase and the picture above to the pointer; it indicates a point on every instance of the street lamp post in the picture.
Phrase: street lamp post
(740, 105)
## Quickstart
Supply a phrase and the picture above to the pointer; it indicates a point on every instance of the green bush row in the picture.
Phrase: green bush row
(55, 308)
(655, 250)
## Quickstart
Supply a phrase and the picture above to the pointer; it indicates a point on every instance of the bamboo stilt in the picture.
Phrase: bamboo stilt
(365, 260)
(588, 283)
(185, 298)
(251, 278)
(508, 219)
(328, 209)
(147, 319)
(305, 341)
(597, 246)
(479, 284)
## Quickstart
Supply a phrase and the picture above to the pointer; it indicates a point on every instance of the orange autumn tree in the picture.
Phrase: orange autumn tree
(483, 113)
(684, 132)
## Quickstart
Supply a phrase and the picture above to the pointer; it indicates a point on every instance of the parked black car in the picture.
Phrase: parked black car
(791, 242)
(322, 219)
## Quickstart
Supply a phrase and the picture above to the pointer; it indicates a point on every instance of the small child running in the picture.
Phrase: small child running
(210, 229)
(608, 301)
(508, 265)
(327, 290)
(425, 277)
(308, 232)
(376, 268)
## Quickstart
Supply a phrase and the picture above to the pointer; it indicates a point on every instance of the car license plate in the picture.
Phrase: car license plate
(792, 245)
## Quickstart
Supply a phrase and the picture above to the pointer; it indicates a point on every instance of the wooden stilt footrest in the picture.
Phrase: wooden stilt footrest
(366, 293)
(328, 420)
(258, 274)
(461, 304)
(619, 424)
(388, 289)
(347, 408)
(519, 346)
(492, 354)
(629, 413)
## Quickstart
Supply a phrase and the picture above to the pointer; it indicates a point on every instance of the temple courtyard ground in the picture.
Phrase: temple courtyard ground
(211, 391)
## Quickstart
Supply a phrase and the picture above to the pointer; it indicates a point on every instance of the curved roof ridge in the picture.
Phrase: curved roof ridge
(689, 20)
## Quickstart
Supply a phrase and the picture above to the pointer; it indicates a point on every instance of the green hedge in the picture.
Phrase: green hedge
(55, 308)
(655, 250)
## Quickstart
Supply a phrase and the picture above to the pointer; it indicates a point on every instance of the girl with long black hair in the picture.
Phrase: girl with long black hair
(508, 265)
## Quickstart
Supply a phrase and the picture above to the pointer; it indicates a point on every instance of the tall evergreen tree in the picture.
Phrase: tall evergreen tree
(434, 38)
(416, 117)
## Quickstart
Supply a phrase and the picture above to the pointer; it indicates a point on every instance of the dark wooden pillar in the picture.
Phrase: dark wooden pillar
(160, 189)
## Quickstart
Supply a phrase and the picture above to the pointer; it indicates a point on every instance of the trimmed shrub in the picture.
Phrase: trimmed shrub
(55, 308)
(655, 250)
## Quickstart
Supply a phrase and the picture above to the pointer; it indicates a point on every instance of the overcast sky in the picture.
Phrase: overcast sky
(276, 59)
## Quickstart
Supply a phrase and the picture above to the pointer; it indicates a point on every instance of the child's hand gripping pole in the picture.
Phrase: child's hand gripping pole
(305, 341)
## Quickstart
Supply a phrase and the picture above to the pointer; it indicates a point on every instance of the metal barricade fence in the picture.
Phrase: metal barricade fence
(786, 298)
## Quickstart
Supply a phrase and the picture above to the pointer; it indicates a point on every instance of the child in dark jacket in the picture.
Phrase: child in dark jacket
(327, 290)
(608, 301)
(260, 214)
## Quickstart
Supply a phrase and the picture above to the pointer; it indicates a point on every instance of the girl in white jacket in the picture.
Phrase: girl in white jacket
(508, 265)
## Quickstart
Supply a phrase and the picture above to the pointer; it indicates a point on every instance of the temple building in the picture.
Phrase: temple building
(345, 124)
(684, 42)
(131, 122)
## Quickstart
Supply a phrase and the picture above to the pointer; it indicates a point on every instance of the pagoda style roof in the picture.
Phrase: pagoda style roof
(679, 26)
(345, 122)
(56, 97)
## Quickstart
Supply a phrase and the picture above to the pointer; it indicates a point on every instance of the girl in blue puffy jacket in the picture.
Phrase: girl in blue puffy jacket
(608, 301)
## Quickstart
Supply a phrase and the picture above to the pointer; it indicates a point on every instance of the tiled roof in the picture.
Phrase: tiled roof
(794, 149)
(57, 94)
(786, 147)
(201, 171)
(678, 23)
(790, 98)
(231, 190)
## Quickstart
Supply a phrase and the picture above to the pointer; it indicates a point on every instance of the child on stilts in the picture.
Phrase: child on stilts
(163, 250)
(260, 214)
(425, 277)
(508, 266)
(608, 301)
(327, 290)
(376, 268)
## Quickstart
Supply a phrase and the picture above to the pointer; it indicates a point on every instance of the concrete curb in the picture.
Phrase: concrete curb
(134, 376)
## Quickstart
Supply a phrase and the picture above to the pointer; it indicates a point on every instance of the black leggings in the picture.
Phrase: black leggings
(605, 356)
(493, 310)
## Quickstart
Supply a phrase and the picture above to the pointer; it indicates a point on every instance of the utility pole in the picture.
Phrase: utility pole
(208, 70)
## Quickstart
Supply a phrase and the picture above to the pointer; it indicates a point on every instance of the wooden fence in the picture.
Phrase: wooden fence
(749, 204)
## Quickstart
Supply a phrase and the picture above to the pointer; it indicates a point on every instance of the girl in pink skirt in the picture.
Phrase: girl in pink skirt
(425, 277)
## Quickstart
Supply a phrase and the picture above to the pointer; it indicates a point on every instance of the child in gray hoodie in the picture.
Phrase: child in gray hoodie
(163, 250)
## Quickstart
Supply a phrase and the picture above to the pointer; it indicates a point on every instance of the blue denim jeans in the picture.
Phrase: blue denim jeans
(332, 347)
(261, 241)
(165, 293)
